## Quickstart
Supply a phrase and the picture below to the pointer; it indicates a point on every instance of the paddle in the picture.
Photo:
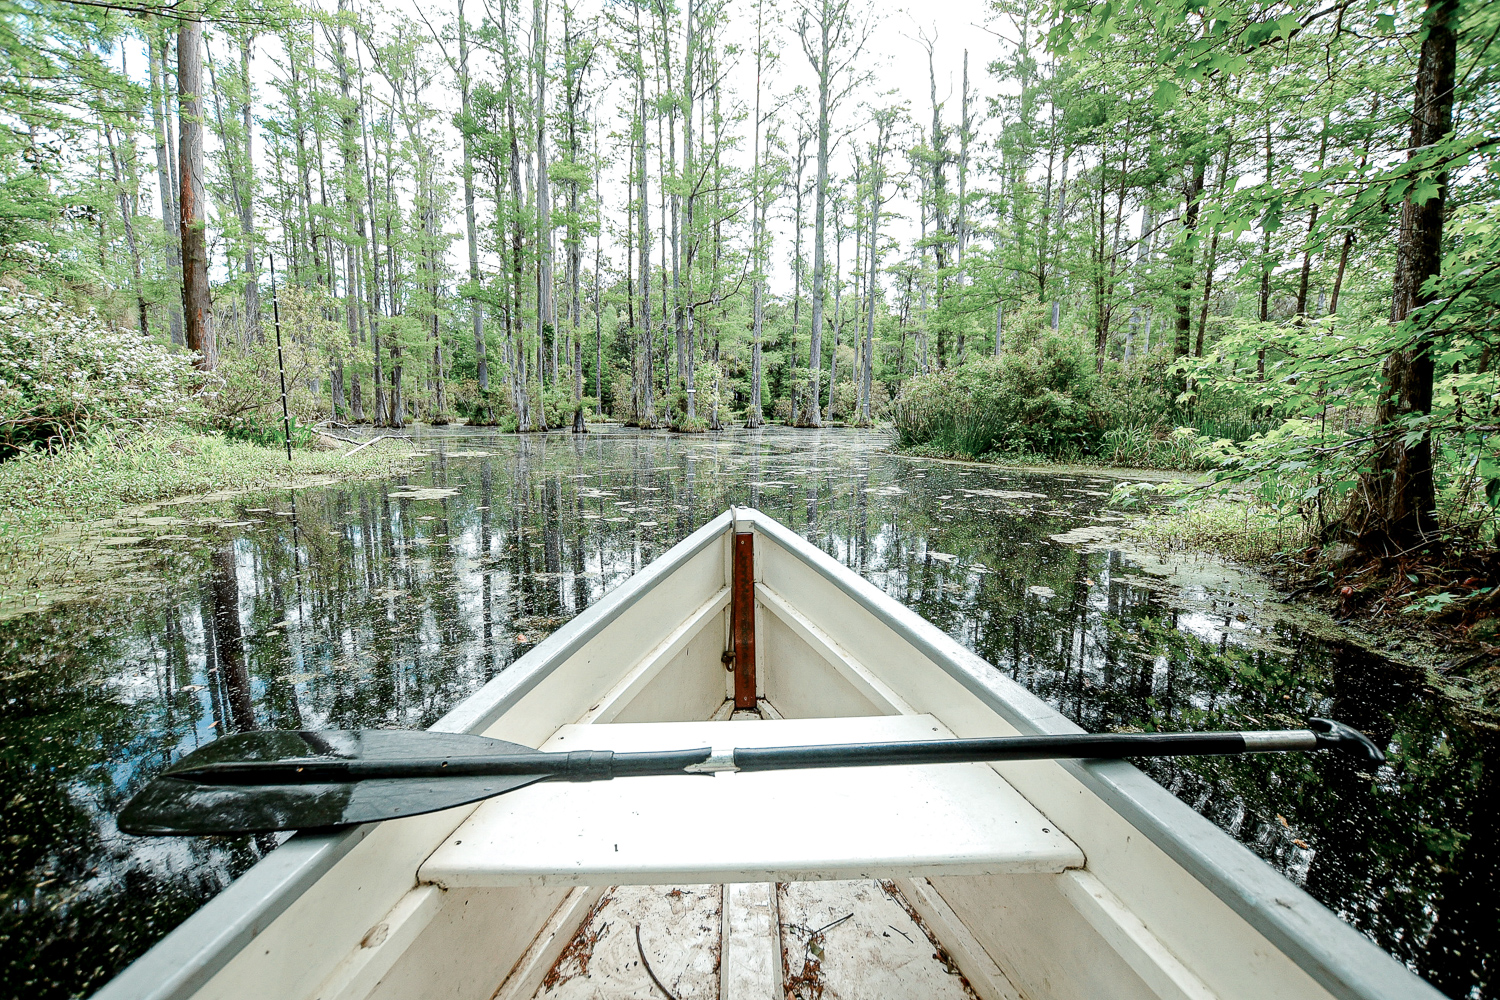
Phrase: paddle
(288, 780)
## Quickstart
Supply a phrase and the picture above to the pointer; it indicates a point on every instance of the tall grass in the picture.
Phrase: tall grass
(1148, 447)
(41, 492)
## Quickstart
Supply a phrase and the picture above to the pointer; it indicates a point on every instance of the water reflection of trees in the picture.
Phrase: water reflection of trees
(349, 607)
(1408, 855)
(74, 737)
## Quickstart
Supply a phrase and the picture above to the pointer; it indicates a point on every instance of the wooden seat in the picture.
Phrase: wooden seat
(804, 825)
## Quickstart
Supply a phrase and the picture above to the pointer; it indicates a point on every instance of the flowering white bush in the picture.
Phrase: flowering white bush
(61, 371)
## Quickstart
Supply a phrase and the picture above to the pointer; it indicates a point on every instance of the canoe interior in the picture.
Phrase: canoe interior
(1129, 923)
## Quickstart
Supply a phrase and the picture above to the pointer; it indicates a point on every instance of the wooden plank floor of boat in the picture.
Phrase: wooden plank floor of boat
(894, 939)
(755, 941)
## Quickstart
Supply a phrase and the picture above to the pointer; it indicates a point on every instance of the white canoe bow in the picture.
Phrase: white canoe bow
(1031, 879)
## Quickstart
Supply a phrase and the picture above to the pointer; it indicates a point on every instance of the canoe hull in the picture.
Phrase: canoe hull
(1166, 906)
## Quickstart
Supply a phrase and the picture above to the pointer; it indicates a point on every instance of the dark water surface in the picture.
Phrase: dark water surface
(383, 603)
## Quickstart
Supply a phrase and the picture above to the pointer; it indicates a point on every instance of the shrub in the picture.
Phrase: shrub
(244, 389)
(63, 371)
(558, 404)
(1034, 401)
(620, 399)
(845, 401)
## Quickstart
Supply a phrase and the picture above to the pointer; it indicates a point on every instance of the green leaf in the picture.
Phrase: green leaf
(1166, 94)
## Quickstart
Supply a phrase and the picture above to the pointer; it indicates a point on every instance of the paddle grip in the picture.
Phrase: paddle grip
(1336, 735)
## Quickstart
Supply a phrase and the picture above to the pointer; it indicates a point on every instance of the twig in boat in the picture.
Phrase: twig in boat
(832, 925)
(900, 931)
(647, 965)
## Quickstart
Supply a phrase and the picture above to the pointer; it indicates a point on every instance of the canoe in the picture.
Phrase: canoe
(1024, 879)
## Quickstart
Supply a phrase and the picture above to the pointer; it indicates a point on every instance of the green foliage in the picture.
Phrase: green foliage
(1139, 446)
(1035, 401)
(1323, 381)
(252, 429)
(558, 404)
(63, 373)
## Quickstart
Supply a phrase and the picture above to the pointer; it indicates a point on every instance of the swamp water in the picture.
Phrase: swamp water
(385, 602)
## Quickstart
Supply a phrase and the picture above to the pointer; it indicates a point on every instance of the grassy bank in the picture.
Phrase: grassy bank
(1241, 532)
(1131, 448)
(46, 499)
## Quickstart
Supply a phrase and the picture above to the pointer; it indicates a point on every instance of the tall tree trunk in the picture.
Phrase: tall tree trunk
(574, 84)
(838, 294)
(754, 417)
(354, 218)
(820, 219)
(520, 400)
(394, 302)
(1396, 505)
(1338, 278)
(126, 213)
(196, 302)
(938, 190)
(686, 352)
(371, 254)
(797, 263)
(961, 221)
(599, 282)
(1312, 229)
(546, 315)
(476, 305)
(1182, 343)
(156, 45)
(1213, 252)
(672, 196)
(872, 287)
(1062, 221)
(646, 408)
(247, 205)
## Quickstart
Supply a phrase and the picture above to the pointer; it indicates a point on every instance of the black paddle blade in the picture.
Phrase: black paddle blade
(174, 805)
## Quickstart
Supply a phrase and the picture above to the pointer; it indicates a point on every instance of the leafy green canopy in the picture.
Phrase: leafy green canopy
(1348, 69)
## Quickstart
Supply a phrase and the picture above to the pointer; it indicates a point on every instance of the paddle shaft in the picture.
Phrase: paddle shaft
(1022, 748)
(594, 765)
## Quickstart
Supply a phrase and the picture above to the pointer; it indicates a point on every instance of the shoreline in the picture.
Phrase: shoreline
(71, 520)
(1449, 656)
(1462, 666)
